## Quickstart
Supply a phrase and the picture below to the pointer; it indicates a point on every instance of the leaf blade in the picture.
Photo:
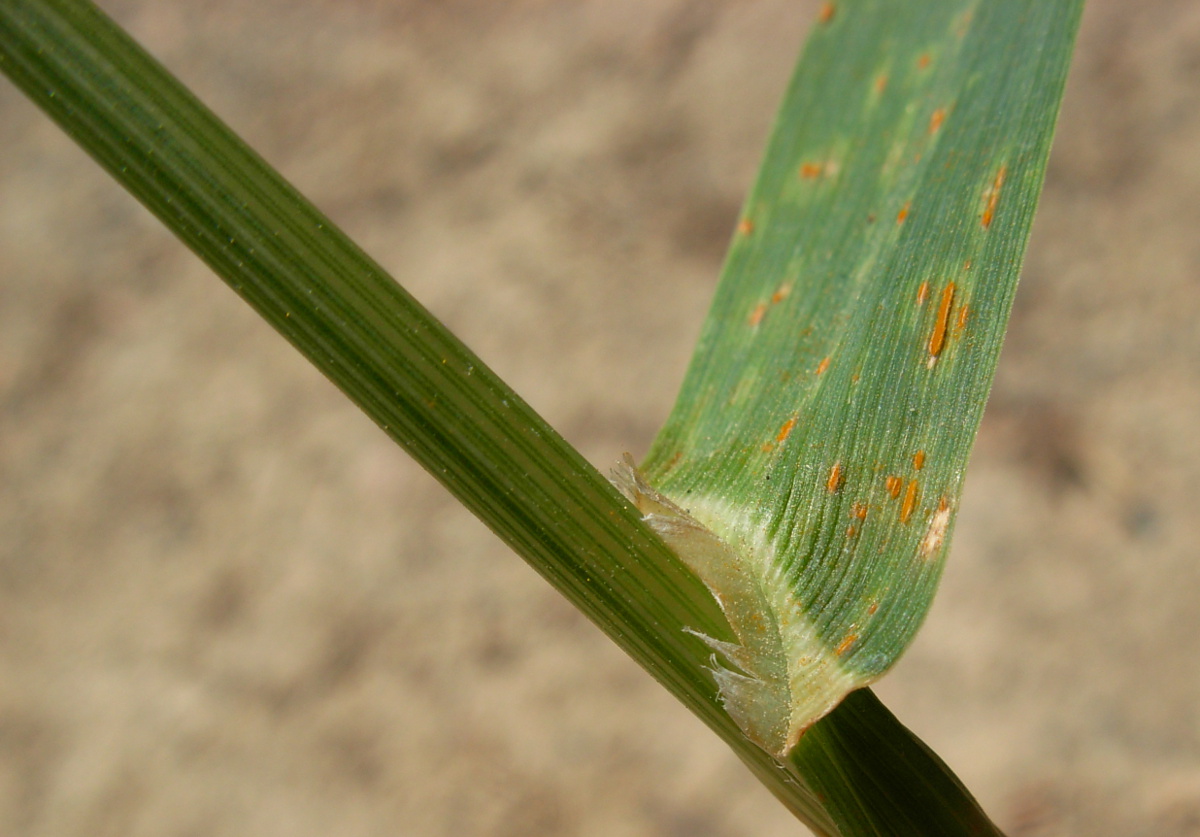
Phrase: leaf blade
(824, 425)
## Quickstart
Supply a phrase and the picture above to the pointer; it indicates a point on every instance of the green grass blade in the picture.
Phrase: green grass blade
(362, 330)
(823, 429)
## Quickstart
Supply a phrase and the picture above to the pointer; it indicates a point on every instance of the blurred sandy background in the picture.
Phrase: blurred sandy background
(229, 606)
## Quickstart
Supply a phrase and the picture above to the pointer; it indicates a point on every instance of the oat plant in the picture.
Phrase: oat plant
(780, 545)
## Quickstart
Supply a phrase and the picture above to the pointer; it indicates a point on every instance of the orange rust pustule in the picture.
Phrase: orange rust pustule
(922, 293)
(919, 460)
(810, 171)
(757, 314)
(910, 501)
(828, 10)
(846, 644)
(903, 213)
(881, 83)
(745, 226)
(859, 511)
(786, 430)
(936, 119)
(873, 608)
(962, 317)
(894, 484)
(781, 294)
(924, 61)
(822, 366)
(993, 197)
(835, 478)
(937, 340)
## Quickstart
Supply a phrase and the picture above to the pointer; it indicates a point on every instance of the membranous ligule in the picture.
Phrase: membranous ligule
(779, 678)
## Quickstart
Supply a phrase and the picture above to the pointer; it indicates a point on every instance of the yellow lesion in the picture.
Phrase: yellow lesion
(757, 314)
(936, 119)
(935, 535)
(992, 197)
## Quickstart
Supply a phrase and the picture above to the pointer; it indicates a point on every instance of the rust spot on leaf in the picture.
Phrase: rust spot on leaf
(919, 460)
(910, 501)
(851, 532)
(881, 81)
(873, 608)
(903, 213)
(964, 24)
(936, 120)
(993, 197)
(745, 226)
(811, 171)
(893, 486)
(937, 340)
(827, 12)
(859, 511)
(786, 430)
(922, 293)
(822, 366)
(962, 317)
(846, 644)
(757, 314)
(835, 478)
(923, 61)
(781, 294)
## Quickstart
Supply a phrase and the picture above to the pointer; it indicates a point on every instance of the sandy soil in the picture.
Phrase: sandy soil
(229, 606)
